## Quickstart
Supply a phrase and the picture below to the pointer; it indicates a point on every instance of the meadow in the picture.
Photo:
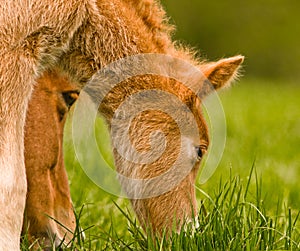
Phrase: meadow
(250, 203)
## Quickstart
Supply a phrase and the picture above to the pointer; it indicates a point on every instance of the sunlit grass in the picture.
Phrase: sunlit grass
(233, 217)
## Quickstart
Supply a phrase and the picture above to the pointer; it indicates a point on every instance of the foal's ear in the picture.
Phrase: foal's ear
(220, 74)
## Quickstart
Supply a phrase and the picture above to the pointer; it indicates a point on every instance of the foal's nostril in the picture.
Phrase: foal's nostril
(49, 242)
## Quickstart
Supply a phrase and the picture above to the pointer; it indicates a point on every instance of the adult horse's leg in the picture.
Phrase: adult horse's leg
(14, 96)
(32, 36)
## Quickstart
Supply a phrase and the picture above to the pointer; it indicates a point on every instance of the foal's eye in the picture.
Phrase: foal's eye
(70, 97)
(200, 152)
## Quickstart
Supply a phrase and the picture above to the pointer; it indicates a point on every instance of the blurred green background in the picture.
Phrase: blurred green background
(266, 32)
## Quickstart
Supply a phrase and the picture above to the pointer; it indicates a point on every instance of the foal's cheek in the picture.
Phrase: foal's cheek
(41, 145)
(51, 153)
(195, 171)
(61, 112)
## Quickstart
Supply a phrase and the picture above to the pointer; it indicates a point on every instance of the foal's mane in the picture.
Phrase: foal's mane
(157, 22)
(152, 14)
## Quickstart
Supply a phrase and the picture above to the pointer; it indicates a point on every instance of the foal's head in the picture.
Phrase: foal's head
(48, 196)
(160, 136)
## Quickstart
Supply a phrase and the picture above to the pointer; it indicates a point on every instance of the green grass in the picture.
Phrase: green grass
(250, 203)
